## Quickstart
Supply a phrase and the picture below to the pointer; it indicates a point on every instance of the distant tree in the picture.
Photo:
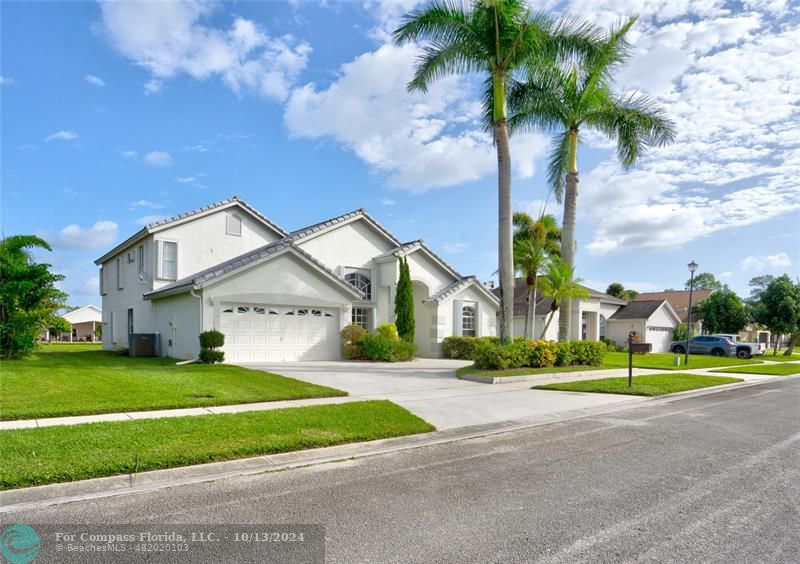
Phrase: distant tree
(722, 312)
(758, 284)
(630, 295)
(616, 289)
(680, 332)
(778, 309)
(28, 295)
(671, 290)
(58, 325)
(404, 303)
(705, 281)
(559, 285)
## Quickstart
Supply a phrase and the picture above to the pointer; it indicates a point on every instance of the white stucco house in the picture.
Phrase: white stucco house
(590, 315)
(277, 295)
(652, 320)
(84, 321)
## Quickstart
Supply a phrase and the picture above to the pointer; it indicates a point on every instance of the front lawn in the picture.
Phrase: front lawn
(62, 454)
(62, 380)
(780, 358)
(652, 385)
(767, 369)
(666, 361)
(524, 371)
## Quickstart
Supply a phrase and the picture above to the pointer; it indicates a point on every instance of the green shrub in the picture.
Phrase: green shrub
(563, 354)
(211, 339)
(587, 353)
(492, 355)
(611, 345)
(377, 347)
(403, 350)
(351, 342)
(541, 354)
(462, 347)
(388, 330)
(210, 356)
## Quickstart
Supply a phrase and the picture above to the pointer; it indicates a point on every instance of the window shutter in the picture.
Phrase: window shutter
(458, 317)
(159, 259)
(478, 320)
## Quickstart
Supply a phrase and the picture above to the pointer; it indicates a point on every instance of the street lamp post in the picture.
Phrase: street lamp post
(692, 267)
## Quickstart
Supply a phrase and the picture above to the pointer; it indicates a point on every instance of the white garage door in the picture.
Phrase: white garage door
(266, 332)
(661, 337)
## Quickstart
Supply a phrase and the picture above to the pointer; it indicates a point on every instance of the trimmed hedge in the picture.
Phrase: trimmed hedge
(492, 355)
(210, 341)
(580, 353)
(382, 346)
(462, 348)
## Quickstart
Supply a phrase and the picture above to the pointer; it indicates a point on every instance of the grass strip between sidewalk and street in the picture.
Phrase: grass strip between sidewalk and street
(524, 371)
(47, 455)
(666, 361)
(768, 356)
(766, 369)
(66, 380)
(651, 385)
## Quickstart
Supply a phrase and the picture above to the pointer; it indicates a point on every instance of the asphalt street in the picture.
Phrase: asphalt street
(714, 478)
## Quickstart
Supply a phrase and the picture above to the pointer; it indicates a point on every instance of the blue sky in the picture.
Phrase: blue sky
(115, 114)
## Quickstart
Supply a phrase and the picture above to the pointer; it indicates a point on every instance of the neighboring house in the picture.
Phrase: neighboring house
(277, 295)
(754, 333)
(652, 320)
(589, 315)
(84, 320)
(679, 300)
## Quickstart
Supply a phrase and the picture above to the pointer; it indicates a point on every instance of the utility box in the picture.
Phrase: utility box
(143, 344)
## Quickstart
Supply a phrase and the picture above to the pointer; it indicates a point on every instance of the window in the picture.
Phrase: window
(228, 310)
(259, 310)
(119, 274)
(140, 261)
(603, 326)
(130, 320)
(242, 309)
(302, 312)
(468, 321)
(169, 260)
(102, 280)
(233, 225)
(361, 281)
(361, 316)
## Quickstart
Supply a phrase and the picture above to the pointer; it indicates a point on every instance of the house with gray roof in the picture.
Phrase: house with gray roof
(652, 321)
(277, 295)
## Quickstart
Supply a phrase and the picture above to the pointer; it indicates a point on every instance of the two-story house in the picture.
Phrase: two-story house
(276, 295)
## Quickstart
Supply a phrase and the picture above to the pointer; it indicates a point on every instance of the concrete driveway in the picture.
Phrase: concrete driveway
(429, 389)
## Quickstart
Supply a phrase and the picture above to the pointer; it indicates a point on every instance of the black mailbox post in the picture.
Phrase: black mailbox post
(635, 348)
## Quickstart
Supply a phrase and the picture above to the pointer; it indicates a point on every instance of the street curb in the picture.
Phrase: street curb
(570, 376)
(57, 494)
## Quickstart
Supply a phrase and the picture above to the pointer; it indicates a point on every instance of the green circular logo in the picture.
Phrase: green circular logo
(19, 544)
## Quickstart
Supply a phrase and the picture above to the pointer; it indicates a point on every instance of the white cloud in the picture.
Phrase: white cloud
(146, 204)
(456, 248)
(405, 137)
(185, 179)
(170, 38)
(5, 81)
(388, 202)
(158, 158)
(95, 80)
(62, 136)
(91, 285)
(196, 148)
(770, 262)
(129, 154)
(148, 219)
(101, 235)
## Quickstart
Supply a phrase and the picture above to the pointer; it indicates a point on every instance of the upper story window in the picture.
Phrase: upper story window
(102, 280)
(140, 259)
(233, 225)
(361, 280)
(119, 274)
(169, 260)
(468, 321)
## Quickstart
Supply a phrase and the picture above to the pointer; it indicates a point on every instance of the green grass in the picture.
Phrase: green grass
(665, 361)
(65, 453)
(768, 369)
(652, 385)
(63, 380)
(464, 370)
(780, 358)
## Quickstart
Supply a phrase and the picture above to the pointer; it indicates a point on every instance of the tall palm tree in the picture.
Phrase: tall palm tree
(535, 242)
(495, 38)
(568, 99)
(558, 284)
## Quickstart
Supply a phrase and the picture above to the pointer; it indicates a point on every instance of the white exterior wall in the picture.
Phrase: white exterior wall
(618, 330)
(659, 329)
(202, 242)
(177, 320)
(552, 330)
(448, 324)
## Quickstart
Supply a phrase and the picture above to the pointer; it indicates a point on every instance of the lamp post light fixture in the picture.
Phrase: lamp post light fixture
(692, 268)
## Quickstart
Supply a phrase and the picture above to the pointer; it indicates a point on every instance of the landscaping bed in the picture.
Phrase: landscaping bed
(63, 380)
(65, 453)
(666, 361)
(766, 369)
(650, 385)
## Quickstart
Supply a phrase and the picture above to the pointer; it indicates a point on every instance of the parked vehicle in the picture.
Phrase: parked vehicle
(744, 350)
(705, 344)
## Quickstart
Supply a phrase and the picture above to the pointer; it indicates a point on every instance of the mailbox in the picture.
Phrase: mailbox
(641, 347)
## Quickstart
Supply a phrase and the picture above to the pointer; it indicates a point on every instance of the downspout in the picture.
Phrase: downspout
(192, 293)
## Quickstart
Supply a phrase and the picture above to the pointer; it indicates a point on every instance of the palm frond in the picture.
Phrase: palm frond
(538, 103)
(612, 51)
(442, 21)
(557, 164)
(443, 59)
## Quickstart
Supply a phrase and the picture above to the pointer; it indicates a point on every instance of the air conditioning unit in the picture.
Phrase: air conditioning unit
(143, 344)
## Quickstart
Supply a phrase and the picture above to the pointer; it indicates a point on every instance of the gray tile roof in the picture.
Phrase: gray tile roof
(325, 225)
(543, 304)
(456, 287)
(401, 249)
(641, 309)
(199, 278)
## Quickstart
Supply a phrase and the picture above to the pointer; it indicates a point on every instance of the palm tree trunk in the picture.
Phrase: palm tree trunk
(568, 231)
(527, 312)
(792, 343)
(532, 312)
(505, 227)
(547, 324)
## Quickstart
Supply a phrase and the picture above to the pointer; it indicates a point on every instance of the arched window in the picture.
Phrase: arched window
(361, 281)
(468, 321)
